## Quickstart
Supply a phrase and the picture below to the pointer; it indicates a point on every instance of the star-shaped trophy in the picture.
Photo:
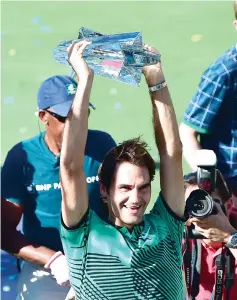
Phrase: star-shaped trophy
(119, 57)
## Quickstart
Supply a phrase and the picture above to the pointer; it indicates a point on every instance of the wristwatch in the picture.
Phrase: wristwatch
(232, 242)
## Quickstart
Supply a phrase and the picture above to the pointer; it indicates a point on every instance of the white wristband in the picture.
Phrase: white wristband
(157, 87)
(56, 255)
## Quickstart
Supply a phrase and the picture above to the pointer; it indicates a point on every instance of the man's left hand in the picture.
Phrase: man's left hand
(153, 73)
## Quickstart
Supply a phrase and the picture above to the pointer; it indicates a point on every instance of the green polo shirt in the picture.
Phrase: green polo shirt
(109, 262)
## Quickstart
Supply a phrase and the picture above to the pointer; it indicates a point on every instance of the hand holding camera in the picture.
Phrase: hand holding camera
(215, 227)
(205, 204)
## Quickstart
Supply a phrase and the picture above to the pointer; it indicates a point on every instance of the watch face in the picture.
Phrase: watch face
(233, 241)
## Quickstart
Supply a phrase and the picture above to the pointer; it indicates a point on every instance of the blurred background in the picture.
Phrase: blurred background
(189, 35)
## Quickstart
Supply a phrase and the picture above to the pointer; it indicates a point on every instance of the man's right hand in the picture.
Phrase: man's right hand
(76, 60)
(59, 269)
(73, 181)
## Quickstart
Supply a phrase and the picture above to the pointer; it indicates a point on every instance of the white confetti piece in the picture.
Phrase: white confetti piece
(12, 52)
(196, 38)
(23, 130)
(6, 288)
(113, 91)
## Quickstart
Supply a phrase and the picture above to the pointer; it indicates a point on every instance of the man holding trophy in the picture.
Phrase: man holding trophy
(133, 255)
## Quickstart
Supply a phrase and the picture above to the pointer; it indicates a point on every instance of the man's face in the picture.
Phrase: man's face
(53, 122)
(129, 194)
(56, 123)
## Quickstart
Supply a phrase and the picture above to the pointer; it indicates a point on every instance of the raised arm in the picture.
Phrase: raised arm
(73, 181)
(203, 112)
(189, 138)
(167, 140)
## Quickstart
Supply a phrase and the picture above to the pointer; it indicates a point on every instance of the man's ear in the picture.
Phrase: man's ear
(235, 24)
(43, 116)
(103, 192)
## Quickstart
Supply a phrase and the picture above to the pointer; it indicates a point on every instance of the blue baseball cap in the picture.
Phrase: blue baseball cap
(57, 93)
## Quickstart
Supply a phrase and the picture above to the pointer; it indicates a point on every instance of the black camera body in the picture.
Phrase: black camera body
(200, 204)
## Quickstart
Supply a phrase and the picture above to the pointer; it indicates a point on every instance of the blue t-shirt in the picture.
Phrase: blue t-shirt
(30, 177)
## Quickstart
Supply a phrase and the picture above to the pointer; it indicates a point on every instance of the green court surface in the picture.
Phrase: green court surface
(189, 35)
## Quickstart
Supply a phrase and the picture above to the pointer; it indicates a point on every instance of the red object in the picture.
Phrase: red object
(206, 186)
(112, 64)
(208, 269)
(208, 266)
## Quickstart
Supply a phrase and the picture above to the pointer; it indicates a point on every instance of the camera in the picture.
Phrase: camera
(200, 203)
(208, 178)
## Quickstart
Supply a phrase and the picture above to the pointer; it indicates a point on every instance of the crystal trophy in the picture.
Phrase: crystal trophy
(119, 57)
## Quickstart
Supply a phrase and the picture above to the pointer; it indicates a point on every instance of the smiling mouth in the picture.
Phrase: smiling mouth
(133, 208)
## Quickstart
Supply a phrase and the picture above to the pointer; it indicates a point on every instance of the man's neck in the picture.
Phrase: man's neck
(54, 143)
(120, 224)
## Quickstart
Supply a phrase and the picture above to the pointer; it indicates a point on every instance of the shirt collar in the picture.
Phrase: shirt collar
(210, 250)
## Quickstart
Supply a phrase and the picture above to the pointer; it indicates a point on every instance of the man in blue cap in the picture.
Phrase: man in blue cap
(31, 188)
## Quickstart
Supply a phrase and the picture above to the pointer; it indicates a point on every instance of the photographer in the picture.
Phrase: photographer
(210, 255)
(211, 116)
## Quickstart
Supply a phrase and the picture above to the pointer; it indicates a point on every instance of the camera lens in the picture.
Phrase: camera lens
(199, 204)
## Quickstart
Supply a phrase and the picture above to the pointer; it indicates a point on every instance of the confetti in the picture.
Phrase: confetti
(196, 38)
(117, 105)
(8, 100)
(113, 91)
(12, 52)
(37, 43)
(36, 20)
(23, 130)
(46, 28)
(6, 288)
(13, 277)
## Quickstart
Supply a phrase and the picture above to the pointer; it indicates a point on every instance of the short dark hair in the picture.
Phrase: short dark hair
(133, 151)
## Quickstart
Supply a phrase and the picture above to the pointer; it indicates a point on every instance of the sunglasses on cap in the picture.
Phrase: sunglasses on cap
(56, 116)
(60, 118)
